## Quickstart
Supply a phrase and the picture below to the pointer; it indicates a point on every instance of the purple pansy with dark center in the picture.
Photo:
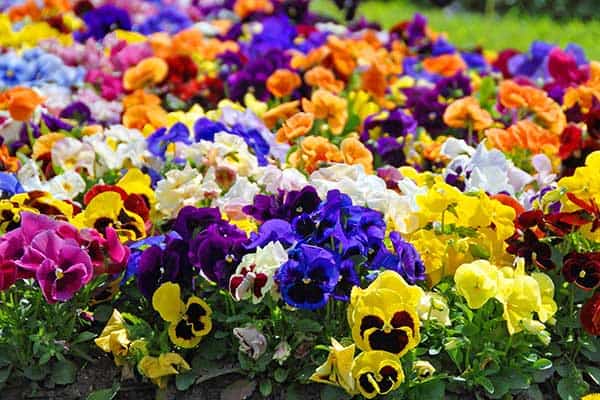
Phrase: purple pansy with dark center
(103, 20)
(308, 279)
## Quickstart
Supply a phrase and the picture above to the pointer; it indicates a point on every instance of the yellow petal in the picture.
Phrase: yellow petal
(167, 301)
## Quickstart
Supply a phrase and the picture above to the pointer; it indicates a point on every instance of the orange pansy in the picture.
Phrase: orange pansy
(149, 71)
(445, 65)
(21, 102)
(295, 126)
(313, 151)
(526, 135)
(466, 112)
(281, 112)
(283, 82)
(355, 152)
(326, 105)
(323, 78)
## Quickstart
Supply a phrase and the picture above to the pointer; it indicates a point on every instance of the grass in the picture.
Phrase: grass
(468, 30)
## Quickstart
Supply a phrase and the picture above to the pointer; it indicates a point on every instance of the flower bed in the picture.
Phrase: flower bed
(245, 199)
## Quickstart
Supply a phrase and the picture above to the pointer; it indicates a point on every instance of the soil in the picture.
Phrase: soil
(101, 375)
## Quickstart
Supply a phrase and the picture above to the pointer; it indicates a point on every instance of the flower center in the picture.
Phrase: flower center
(306, 281)
(59, 273)
(582, 273)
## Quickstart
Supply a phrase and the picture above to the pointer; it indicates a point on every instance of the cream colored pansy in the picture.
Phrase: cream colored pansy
(433, 307)
(71, 154)
(239, 195)
(118, 147)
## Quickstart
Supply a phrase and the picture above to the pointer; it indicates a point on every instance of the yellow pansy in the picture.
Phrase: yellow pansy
(248, 225)
(130, 37)
(337, 370)
(520, 296)
(477, 282)
(107, 209)
(44, 203)
(187, 118)
(548, 306)
(383, 316)
(362, 104)
(136, 182)
(591, 396)
(396, 88)
(189, 322)
(113, 338)
(256, 106)
(584, 183)
(158, 369)
(432, 249)
(377, 373)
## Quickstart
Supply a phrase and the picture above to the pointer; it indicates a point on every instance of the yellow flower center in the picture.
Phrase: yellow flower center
(59, 273)
(306, 281)
(582, 274)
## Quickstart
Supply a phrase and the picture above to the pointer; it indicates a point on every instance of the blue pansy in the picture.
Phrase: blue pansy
(168, 20)
(160, 140)
(308, 279)
(9, 185)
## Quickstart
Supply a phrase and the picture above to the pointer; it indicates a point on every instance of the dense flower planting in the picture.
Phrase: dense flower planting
(203, 188)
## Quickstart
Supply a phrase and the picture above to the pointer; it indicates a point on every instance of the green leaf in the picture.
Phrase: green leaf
(266, 387)
(332, 393)
(308, 325)
(431, 390)
(571, 388)
(64, 372)
(35, 372)
(542, 363)
(185, 380)
(486, 383)
(5, 373)
(84, 337)
(280, 375)
(593, 372)
(104, 394)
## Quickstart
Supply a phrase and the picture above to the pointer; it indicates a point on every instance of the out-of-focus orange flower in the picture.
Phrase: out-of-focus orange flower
(326, 105)
(525, 135)
(149, 71)
(305, 61)
(355, 152)
(8, 163)
(20, 102)
(189, 41)
(281, 112)
(43, 144)
(138, 116)
(374, 81)
(313, 151)
(445, 65)
(295, 126)
(244, 8)
(27, 9)
(466, 112)
(546, 110)
(140, 97)
(323, 78)
(283, 82)
(341, 55)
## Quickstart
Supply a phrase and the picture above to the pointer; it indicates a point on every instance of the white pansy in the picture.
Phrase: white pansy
(274, 179)
(253, 277)
(118, 146)
(70, 154)
(66, 186)
(178, 189)
(239, 195)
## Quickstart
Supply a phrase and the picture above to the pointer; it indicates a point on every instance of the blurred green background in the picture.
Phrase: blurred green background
(468, 23)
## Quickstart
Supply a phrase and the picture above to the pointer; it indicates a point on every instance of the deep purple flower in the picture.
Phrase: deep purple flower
(348, 279)
(426, 107)
(308, 279)
(191, 220)
(55, 124)
(410, 265)
(277, 33)
(103, 20)
(78, 111)
(416, 30)
(285, 205)
(532, 64)
(454, 87)
(217, 250)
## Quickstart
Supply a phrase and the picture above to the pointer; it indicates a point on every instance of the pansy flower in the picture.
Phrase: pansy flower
(337, 369)
(590, 315)
(307, 280)
(253, 278)
(377, 373)
(108, 209)
(158, 369)
(188, 322)
(384, 316)
(583, 269)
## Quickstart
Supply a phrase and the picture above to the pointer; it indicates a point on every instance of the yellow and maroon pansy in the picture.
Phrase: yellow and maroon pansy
(188, 322)
(108, 209)
(377, 373)
(384, 316)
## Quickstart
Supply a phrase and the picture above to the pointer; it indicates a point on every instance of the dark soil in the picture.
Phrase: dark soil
(102, 374)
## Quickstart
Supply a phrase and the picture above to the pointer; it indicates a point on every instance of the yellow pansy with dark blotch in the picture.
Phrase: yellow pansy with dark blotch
(337, 369)
(189, 322)
(108, 209)
(383, 316)
(377, 373)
